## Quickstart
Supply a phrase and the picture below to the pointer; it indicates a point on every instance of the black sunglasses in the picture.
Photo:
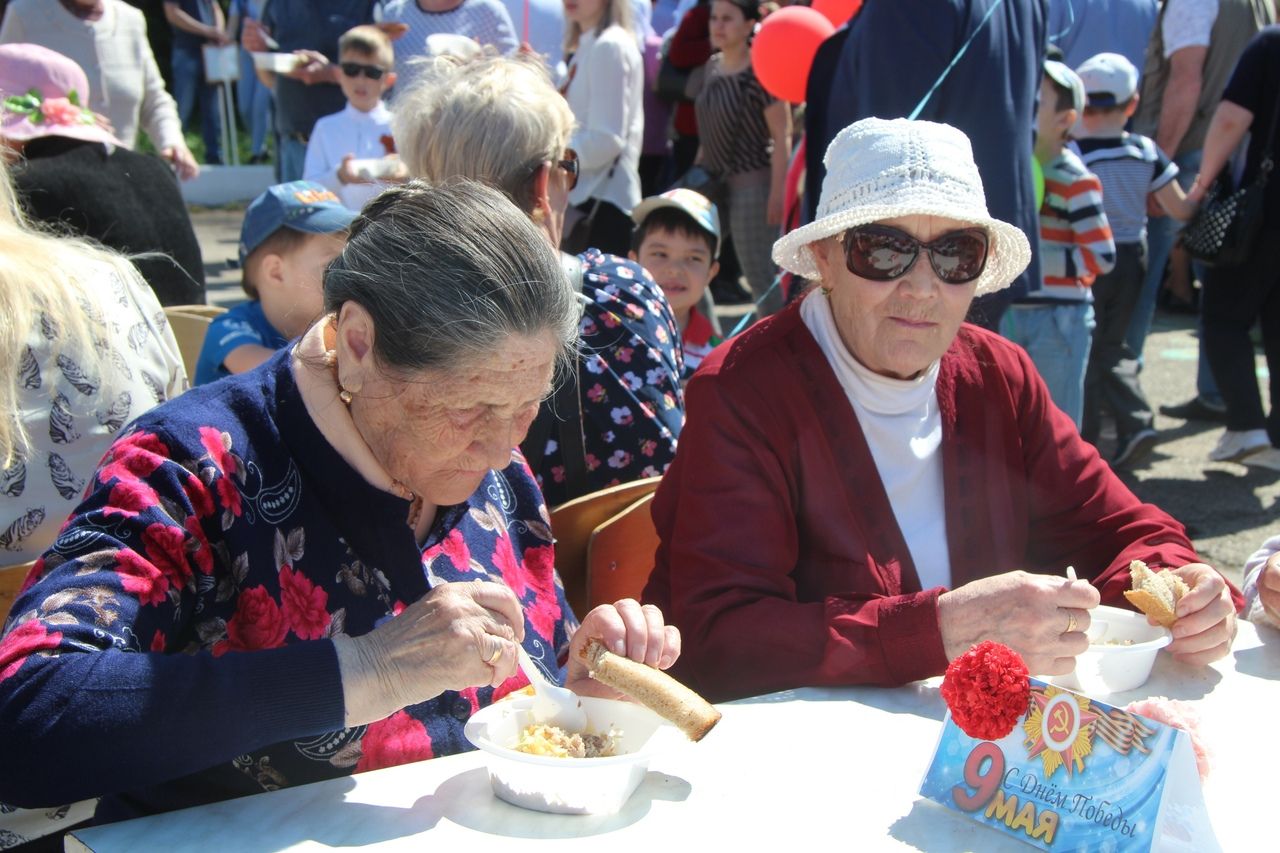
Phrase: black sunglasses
(355, 69)
(883, 253)
(569, 164)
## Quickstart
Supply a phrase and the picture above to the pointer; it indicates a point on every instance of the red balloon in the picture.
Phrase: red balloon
(783, 49)
(838, 11)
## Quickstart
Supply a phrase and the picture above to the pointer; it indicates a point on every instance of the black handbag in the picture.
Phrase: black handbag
(1226, 226)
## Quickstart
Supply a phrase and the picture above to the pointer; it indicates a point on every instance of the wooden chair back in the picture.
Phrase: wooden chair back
(210, 311)
(11, 580)
(573, 523)
(620, 554)
(189, 330)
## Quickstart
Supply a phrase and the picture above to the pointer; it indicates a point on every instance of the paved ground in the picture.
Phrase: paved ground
(1228, 508)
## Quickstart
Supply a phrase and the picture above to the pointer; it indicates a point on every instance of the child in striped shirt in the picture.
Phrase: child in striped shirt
(1054, 324)
(1129, 167)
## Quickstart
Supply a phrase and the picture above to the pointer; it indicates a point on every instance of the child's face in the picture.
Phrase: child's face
(291, 285)
(681, 263)
(361, 92)
(1051, 123)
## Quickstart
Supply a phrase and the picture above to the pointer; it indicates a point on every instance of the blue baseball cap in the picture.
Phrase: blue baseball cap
(301, 205)
(698, 207)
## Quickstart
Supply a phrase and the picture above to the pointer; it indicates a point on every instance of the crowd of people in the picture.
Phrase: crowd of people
(480, 289)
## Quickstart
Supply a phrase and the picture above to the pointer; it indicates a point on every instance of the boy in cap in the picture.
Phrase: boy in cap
(1053, 324)
(290, 234)
(677, 239)
(1129, 166)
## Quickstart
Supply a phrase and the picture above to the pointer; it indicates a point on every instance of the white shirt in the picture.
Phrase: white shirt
(606, 90)
(348, 132)
(124, 80)
(71, 413)
(1253, 609)
(546, 27)
(1187, 23)
(903, 427)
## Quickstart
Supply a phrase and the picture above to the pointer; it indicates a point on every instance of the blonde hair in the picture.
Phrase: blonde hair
(370, 41)
(493, 119)
(47, 279)
(615, 12)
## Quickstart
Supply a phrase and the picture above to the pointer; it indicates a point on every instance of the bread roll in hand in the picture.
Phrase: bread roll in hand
(652, 688)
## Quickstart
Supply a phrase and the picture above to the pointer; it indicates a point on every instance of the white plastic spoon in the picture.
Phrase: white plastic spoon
(551, 703)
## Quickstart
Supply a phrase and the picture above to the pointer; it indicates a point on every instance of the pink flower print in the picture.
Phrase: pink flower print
(397, 608)
(157, 641)
(668, 400)
(134, 456)
(227, 463)
(166, 547)
(504, 560)
(660, 332)
(258, 624)
(610, 320)
(544, 612)
(396, 740)
(455, 548)
(622, 415)
(587, 327)
(557, 473)
(22, 642)
(140, 578)
(592, 462)
(648, 447)
(130, 497)
(304, 604)
(201, 500)
(635, 312)
(649, 471)
(60, 111)
(597, 394)
(624, 272)
(619, 459)
(624, 354)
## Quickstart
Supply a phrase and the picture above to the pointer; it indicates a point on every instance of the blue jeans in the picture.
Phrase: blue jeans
(1057, 337)
(190, 90)
(291, 156)
(253, 100)
(1162, 232)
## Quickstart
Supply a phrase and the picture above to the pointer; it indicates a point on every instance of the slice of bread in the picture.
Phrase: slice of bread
(1155, 593)
(652, 688)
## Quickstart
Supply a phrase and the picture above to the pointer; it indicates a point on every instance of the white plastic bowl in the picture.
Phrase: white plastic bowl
(1108, 668)
(278, 63)
(565, 785)
(372, 168)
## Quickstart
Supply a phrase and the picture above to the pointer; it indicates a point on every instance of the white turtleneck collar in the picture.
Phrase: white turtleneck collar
(903, 428)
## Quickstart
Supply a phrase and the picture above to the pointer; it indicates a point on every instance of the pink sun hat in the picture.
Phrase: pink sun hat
(43, 93)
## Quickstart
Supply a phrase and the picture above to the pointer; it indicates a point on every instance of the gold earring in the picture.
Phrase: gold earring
(344, 395)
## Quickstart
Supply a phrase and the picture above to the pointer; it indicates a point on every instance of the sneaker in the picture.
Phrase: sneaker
(1196, 409)
(1235, 445)
(1134, 448)
(1269, 459)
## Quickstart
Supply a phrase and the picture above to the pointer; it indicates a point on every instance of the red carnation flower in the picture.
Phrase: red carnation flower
(396, 740)
(987, 690)
(304, 604)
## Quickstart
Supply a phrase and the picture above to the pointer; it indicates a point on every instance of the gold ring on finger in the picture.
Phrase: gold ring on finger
(1071, 621)
(497, 653)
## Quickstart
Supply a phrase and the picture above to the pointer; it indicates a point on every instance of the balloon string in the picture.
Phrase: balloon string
(959, 54)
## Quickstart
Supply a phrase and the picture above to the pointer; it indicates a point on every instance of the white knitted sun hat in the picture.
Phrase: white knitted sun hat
(881, 169)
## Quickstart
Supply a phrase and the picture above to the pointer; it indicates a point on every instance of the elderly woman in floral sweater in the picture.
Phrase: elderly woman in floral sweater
(321, 566)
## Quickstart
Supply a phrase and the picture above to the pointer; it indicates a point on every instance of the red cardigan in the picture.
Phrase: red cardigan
(780, 558)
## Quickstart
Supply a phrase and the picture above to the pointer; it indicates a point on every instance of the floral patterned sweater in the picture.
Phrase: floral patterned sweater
(172, 647)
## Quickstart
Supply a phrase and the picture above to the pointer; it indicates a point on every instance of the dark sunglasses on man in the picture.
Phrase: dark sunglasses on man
(884, 253)
(355, 69)
(569, 164)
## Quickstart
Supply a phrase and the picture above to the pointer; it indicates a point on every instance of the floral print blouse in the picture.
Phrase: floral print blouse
(172, 647)
(629, 373)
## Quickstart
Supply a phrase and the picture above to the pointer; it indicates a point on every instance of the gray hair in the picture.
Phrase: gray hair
(448, 271)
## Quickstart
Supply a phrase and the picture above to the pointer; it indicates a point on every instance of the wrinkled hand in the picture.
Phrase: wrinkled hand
(459, 635)
(251, 37)
(626, 628)
(1206, 622)
(182, 160)
(1269, 588)
(1028, 613)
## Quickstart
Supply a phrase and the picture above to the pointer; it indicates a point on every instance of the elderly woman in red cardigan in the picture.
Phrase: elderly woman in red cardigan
(866, 485)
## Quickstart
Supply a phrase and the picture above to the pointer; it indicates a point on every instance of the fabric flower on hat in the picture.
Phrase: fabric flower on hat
(987, 690)
(40, 110)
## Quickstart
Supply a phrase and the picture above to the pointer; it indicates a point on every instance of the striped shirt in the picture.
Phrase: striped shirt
(734, 134)
(1075, 239)
(1130, 166)
(486, 21)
